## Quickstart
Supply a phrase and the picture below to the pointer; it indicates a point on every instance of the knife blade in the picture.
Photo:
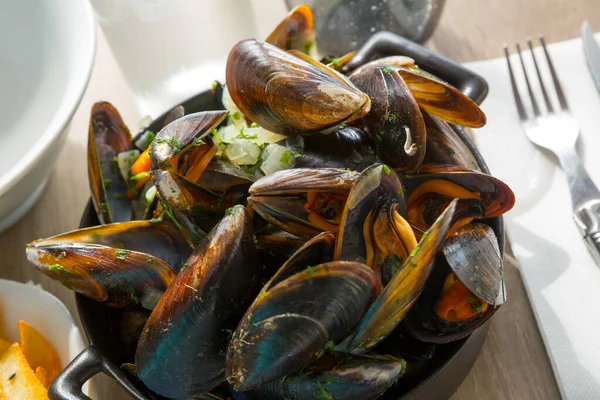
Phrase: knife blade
(592, 51)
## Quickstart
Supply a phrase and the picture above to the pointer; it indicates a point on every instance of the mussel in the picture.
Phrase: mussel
(395, 122)
(179, 155)
(290, 94)
(464, 293)
(303, 201)
(445, 147)
(295, 31)
(181, 352)
(481, 195)
(128, 263)
(402, 291)
(108, 136)
(300, 311)
(338, 376)
(441, 99)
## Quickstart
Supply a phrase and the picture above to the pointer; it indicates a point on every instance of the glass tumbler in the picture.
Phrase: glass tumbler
(170, 50)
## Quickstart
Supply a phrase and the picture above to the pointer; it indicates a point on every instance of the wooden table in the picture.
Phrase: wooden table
(513, 364)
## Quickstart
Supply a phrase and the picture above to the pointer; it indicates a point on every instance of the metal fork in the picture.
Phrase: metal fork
(557, 131)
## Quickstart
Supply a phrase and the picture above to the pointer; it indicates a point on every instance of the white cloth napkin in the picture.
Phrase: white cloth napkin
(561, 278)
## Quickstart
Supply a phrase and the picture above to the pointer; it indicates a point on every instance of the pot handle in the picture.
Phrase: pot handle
(383, 44)
(67, 385)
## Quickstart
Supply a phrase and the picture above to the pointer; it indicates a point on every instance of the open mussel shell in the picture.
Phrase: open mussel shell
(288, 94)
(377, 186)
(445, 147)
(473, 256)
(442, 100)
(159, 239)
(345, 147)
(108, 136)
(181, 352)
(395, 122)
(338, 376)
(184, 146)
(114, 276)
(302, 201)
(295, 31)
(223, 177)
(290, 323)
(402, 291)
(496, 196)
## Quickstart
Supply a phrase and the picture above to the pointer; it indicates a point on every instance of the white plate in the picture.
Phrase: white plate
(47, 56)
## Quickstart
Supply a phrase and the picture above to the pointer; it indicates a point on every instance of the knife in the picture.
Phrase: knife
(592, 51)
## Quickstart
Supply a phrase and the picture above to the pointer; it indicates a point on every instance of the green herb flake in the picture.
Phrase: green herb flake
(118, 195)
(215, 85)
(198, 142)
(236, 115)
(392, 117)
(183, 267)
(134, 297)
(386, 169)
(229, 211)
(476, 305)
(175, 144)
(387, 70)
(308, 46)
(286, 158)
(330, 345)
(451, 152)
(254, 125)
(478, 290)
(321, 390)
(56, 267)
(415, 251)
(311, 271)
(378, 139)
(122, 254)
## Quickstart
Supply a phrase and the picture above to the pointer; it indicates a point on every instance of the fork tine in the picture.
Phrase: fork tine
(537, 70)
(513, 83)
(536, 109)
(559, 92)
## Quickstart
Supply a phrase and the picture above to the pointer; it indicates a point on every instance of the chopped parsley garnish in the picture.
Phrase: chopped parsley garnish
(122, 254)
(198, 142)
(229, 211)
(236, 115)
(311, 271)
(118, 195)
(415, 251)
(386, 169)
(286, 158)
(451, 152)
(134, 297)
(183, 267)
(215, 85)
(56, 267)
(321, 390)
(244, 135)
(175, 144)
(330, 345)
(477, 290)
(378, 139)
(308, 46)
(476, 305)
(387, 70)
(392, 117)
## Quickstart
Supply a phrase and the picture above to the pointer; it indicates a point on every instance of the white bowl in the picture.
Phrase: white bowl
(48, 50)
(44, 312)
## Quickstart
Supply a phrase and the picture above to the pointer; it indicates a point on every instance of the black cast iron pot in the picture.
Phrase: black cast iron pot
(440, 376)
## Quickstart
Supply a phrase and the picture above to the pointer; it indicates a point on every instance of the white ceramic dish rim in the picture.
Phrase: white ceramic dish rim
(63, 115)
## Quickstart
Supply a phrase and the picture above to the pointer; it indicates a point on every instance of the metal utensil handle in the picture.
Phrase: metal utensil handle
(67, 386)
(587, 218)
